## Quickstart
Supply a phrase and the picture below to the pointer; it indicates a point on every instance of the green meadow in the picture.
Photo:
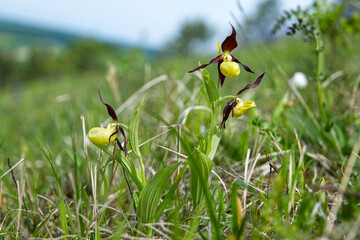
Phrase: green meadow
(285, 169)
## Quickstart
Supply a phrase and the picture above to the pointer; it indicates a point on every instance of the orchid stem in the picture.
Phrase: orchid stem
(320, 62)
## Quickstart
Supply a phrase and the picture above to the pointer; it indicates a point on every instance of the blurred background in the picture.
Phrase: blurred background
(54, 55)
(150, 24)
(42, 38)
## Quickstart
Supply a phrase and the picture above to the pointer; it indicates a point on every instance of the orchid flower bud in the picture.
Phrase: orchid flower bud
(99, 135)
(242, 107)
(230, 69)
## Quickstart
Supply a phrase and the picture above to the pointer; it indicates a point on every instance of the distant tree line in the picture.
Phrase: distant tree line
(46, 62)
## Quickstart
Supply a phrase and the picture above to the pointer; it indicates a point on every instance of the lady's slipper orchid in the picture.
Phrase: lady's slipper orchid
(107, 135)
(236, 106)
(103, 135)
(227, 63)
(242, 107)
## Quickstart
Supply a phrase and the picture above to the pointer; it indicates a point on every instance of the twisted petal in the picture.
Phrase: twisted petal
(221, 75)
(226, 112)
(110, 110)
(252, 85)
(214, 60)
(243, 65)
(125, 140)
(230, 42)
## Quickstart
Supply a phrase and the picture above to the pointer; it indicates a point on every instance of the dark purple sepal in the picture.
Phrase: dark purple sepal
(243, 65)
(214, 60)
(218, 59)
(110, 110)
(252, 85)
(221, 76)
(230, 42)
(119, 145)
(226, 112)
(197, 68)
(125, 140)
(114, 133)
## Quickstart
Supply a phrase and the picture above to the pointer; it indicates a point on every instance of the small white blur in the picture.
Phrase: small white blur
(299, 80)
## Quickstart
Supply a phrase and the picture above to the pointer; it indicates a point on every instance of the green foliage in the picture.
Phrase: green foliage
(128, 164)
(200, 167)
(80, 55)
(83, 55)
(8, 68)
(134, 130)
(237, 220)
(149, 198)
(327, 18)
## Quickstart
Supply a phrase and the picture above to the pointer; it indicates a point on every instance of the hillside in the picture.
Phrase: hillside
(15, 34)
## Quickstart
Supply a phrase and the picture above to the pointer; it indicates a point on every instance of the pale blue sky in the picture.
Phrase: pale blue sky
(147, 23)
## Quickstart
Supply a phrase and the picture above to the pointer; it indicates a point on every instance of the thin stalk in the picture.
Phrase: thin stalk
(177, 196)
(336, 144)
(320, 63)
(212, 128)
(23, 197)
(215, 109)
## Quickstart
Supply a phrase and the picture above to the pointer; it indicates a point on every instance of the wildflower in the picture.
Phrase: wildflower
(108, 135)
(242, 107)
(227, 64)
(103, 135)
(299, 80)
(236, 106)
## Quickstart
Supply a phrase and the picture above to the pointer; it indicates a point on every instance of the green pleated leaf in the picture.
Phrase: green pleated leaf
(169, 195)
(215, 143)
(200, 167)
(134, 129)
(211, 90)
(149, 198)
